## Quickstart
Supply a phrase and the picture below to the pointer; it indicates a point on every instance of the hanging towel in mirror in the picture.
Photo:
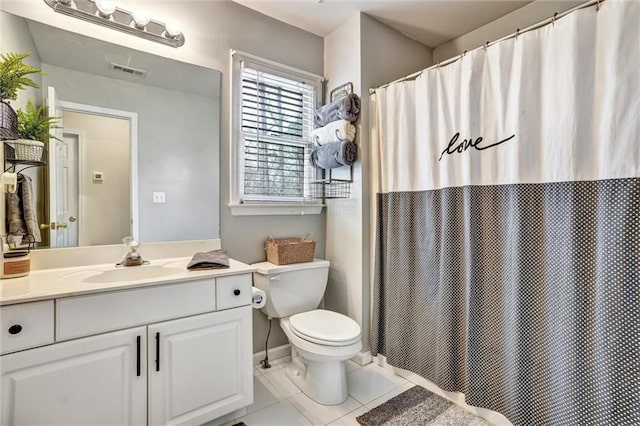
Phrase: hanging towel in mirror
(347, 108)
(334, 155)
(336, 131)
(214, 259)
(22, 216)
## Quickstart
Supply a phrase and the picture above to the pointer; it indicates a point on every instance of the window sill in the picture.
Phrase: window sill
(273, 209)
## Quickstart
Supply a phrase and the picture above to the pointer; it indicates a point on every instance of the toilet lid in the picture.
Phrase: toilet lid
(328, 327)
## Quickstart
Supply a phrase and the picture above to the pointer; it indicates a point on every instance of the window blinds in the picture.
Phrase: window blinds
(276, 125)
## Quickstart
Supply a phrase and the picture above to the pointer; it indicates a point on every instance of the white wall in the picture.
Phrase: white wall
(211, 30)
(367, 53)
(344, 216)
(105, 205)
(521, 18)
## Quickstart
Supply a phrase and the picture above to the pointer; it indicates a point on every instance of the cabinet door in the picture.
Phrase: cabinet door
(99, 380)
(200, 367)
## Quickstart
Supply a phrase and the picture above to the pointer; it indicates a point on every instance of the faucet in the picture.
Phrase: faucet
(132, 258)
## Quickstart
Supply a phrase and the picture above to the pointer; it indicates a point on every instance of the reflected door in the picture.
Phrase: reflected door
(56, 239)
(67, 190)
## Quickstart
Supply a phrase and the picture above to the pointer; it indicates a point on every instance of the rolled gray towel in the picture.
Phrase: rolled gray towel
(214, 259)
(334, 155)
(347, 108)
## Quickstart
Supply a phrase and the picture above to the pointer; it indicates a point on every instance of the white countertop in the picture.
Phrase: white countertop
(64, 282)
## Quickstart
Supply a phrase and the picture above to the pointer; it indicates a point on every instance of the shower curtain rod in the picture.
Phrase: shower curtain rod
(518, 32)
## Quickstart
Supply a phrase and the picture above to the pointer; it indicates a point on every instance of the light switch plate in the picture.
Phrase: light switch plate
(159, 197)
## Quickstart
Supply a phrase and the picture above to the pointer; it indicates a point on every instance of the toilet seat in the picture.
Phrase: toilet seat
(325, 328)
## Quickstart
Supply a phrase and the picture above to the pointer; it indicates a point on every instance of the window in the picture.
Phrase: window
(273, 120)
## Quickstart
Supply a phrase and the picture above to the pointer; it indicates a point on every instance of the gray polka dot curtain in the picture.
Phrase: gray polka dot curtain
(507, 232)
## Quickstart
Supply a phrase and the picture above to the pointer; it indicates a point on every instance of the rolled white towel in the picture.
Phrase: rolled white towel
(336, 131)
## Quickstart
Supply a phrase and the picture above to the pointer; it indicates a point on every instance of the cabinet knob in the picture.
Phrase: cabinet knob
(236, 292)
(15, 329)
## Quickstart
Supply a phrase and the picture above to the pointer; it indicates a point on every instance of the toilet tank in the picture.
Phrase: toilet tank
(291, 289)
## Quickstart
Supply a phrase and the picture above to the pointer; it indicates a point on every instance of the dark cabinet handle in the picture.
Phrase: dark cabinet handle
(15, 329)
(157, 351)
(138, 365)
(236, 292)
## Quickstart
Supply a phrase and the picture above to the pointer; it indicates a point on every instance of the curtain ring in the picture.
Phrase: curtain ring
(517, 33)
(486, 45)
(553, 20)
(598, 5)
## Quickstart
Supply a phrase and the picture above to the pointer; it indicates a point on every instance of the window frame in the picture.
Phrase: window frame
(265, 206)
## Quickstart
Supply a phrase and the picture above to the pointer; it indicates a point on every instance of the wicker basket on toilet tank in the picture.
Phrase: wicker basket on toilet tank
(286, 251)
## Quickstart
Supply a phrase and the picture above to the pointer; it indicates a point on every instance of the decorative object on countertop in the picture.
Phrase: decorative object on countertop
(336, 131)
(334, 155)
(21, 212)
(106, 13)
(13, 77)
(346, 108)
(286, 251)
(15, 264)
(214, 259)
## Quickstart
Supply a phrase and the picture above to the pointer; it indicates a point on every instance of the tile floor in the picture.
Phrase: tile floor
(278, 402)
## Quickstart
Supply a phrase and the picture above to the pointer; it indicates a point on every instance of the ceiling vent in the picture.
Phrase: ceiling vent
(128, 70)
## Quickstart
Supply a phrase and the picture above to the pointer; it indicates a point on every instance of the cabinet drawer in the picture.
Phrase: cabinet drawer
(233, 291)
(93, 314)
(26, 325)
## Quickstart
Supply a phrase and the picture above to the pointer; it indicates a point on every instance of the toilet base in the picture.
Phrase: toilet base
(324, 382)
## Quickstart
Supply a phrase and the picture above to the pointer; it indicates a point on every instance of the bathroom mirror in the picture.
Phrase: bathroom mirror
(139, 148)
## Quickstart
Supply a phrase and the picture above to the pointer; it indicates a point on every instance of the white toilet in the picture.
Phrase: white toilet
(320, 340)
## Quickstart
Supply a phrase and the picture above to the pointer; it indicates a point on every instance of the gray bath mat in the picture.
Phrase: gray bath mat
(418, 406)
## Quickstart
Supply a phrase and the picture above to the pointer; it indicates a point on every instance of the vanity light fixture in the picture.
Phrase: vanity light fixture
(106, 13)
(140, 19)
(105, 8)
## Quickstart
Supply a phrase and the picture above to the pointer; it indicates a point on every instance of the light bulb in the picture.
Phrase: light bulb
(106, 7)
(172, 30)
(140, 19)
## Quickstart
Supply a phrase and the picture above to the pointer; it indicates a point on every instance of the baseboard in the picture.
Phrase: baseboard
(274, 353)
(363, 358)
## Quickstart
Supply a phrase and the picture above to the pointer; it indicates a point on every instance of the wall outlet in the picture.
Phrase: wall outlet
(159, 197)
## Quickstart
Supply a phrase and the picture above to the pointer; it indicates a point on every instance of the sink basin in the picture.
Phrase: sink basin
(132, 273)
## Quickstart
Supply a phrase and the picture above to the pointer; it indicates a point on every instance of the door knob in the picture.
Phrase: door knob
(62, 225)
(44, 226)
(72, 218)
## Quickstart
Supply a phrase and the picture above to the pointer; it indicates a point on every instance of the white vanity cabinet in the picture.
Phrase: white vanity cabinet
(169, 355)
(198, 367)
(96, 380)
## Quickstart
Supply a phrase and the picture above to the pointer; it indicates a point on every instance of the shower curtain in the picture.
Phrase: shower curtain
(508, 222)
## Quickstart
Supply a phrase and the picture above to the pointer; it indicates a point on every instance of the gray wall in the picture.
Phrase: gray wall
(178, 146)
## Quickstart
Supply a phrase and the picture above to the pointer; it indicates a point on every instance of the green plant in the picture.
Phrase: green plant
(35, 124)
(13, 74)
